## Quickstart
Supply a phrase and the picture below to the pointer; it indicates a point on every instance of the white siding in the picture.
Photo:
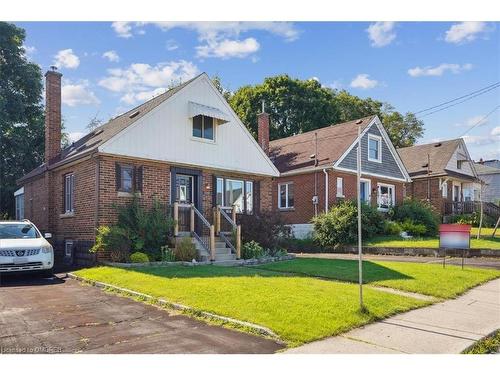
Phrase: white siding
(166, 134)
(460, 154)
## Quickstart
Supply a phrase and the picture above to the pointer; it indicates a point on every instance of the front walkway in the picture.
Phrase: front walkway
(446, 327)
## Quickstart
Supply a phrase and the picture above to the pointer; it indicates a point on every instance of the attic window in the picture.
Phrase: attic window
(97, 132)
(438, 145)
(132, 115)
(203, 127)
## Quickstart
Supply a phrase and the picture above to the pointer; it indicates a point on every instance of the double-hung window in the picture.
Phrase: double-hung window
(374, 148)
(285, 196)
(69, 193)
(128, 178)
(203, 127)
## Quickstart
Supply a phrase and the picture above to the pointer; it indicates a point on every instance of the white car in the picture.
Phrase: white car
(23, 248)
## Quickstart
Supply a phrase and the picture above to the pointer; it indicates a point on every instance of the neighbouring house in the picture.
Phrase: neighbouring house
(489, 172)
(443, 174)
(185, 146)
(319, 169)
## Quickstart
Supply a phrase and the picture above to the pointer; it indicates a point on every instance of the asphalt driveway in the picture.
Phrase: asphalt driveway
(63, 316)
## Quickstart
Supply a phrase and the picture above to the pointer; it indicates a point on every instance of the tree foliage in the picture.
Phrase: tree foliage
(21, 113)
(297, 106)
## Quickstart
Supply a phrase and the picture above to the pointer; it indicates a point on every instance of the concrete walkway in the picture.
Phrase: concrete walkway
(446, 327)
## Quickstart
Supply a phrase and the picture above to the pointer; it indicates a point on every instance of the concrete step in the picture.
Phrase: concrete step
(224, 257)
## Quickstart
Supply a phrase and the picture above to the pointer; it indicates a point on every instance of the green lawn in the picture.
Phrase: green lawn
(396, 241)
(298, 308)
(485, 232)
(429, 279)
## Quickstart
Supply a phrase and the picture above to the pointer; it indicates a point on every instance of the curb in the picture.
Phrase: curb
(177, 306)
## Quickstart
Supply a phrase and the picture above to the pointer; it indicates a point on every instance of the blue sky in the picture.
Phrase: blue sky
(111, 67)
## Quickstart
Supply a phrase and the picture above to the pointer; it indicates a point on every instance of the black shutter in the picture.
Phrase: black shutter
(256, 197)
(118, 176)
(214, 190)
(138, 178)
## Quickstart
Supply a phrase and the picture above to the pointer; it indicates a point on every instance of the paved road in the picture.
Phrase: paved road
(62, 315)
(446, 327)
(469, 262)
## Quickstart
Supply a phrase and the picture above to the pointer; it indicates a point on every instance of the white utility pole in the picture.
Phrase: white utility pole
(360, 248)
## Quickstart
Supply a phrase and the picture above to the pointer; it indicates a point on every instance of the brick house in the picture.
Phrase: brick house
(318, 169)
(443, 174)
(185, 146)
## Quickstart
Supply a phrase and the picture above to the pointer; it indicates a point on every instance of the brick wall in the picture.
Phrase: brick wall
(36, 204)
(419, 189)
(303, 210)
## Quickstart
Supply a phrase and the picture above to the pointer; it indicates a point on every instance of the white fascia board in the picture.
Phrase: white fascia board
(350, 171)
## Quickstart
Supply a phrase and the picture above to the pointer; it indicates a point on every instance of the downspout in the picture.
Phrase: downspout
(326, 189)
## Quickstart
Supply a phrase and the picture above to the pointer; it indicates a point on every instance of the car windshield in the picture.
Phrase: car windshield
(13, 231)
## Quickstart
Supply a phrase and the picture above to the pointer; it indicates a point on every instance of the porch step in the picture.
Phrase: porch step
(224, 257)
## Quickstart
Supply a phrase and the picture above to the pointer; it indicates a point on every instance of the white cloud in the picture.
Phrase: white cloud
(363, 81)
(472, 121)
(112, 56)
(140, 82)
(74, 94)
(209, 30)
(75, 136)
(465, 32)
(483, 140)
(29, 50)
(122, 29)
(171, 45)
(66, 59)
(381, 33)
(495, 131)
(228, 48)
(438, 70)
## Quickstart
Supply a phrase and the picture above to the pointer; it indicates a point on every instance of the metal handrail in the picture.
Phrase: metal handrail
(226, 216)
(199, 214)
(223, 235)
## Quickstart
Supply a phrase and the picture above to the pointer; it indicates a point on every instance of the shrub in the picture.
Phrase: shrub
(473, 219)
(267, 229)
(139, 257)
(392, 228)
(112, 240)
(185, 250)
(339, 225)
(418, 212)
(167, 255)
(413, 228)
(147, 229)
(251, 250)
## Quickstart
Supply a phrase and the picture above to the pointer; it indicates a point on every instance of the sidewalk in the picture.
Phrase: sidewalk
(446, 327)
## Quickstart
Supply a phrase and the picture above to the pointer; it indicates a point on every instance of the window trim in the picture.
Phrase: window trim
(444, 189)
(122, 167)
(244, 181)
(369, 189)
(393, 198)
(341, 194)
(202, 138)
(287, 207)
(69, 178)
(379, 151)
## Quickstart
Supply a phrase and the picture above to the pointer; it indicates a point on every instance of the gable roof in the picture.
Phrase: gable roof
(294, 153)
(91, 141)
(440, 153)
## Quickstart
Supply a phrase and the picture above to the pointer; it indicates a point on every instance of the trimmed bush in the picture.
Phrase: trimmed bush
(139, 257)
(185, 250)
(417, 230)
(251, 250)
(340, 226)
(418, 212)
(267, 229)
(392, 228)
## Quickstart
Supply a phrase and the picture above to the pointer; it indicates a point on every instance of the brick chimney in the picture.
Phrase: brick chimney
(52, 114)
(263, 129)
